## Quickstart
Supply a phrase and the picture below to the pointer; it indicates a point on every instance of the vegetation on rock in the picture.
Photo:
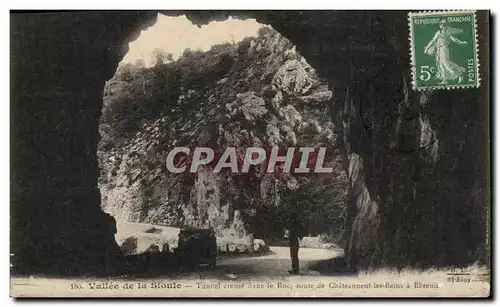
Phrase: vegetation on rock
(259, 92)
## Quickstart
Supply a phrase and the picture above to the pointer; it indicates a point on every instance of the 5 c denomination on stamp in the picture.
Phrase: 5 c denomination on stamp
(444, 50)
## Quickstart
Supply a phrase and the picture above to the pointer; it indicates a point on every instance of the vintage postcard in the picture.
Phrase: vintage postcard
(250, 154)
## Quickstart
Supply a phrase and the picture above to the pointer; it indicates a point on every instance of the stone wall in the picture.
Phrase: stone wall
(59, 64)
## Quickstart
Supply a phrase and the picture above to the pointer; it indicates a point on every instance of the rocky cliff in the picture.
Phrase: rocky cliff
(259, 92)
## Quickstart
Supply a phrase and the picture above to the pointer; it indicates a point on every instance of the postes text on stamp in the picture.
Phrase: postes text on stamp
(444, 50)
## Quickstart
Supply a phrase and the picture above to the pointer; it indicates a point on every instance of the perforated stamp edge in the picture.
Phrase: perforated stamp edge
(412, 53)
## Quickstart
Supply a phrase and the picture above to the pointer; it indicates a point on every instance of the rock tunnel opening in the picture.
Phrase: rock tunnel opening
(171, 89)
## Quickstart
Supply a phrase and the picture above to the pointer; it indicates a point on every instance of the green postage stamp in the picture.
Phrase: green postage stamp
(444, 50)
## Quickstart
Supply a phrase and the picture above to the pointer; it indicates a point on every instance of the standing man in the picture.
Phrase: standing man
(296, 233)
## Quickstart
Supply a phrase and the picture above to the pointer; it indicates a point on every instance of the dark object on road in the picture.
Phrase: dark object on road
(129, 246)
(151, 261)
(197, 247)
(153, 230)
(153, 248)
(166, 248)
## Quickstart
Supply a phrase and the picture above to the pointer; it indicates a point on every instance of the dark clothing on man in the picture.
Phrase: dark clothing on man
(296, 233)
(294, 252)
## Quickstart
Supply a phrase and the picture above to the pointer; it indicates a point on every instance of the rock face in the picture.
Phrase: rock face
(412, 202)
(269, 96)
(57, 224)
(425, 208)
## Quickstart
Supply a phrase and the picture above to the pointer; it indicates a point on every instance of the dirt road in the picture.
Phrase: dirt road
(276, 264)
(254, 273)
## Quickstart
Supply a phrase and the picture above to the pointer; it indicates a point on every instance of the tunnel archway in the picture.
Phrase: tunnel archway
(60, 63)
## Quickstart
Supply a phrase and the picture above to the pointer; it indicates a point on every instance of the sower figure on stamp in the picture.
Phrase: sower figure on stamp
(439, 46)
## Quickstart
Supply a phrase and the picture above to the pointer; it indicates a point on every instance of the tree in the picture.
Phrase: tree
(126, 72)
(139, 63)
(160, 57)
(187, 52)
(318, 202)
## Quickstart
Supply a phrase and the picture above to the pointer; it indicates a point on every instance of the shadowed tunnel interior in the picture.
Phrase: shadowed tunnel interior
(416, 199)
